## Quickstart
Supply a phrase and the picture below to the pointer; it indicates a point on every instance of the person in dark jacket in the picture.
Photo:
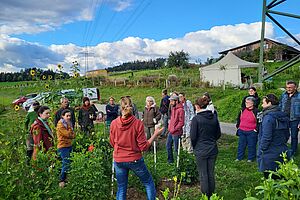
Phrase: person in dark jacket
(247, 130)
(111, 111)
(151, 116)
(251, 93)
(64, 105)
(87, 116)
(273, 135)
(164, 107)
(205, 131)
(290, 104)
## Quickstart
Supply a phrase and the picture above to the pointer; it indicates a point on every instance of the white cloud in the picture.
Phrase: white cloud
(200, 44)
(34, 16)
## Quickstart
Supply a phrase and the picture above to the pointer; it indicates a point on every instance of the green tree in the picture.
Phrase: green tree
(178, 59)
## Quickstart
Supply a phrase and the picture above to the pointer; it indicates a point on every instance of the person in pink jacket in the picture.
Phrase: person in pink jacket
(175, 126)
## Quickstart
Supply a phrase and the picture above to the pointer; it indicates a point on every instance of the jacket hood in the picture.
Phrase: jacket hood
(281, 116)
(207, 114)
(125, 123)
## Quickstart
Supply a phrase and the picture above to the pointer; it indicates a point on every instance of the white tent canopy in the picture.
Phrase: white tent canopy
(227, 70)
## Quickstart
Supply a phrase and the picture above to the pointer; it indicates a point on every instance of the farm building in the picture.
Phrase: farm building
(97, 72)
(279, 51)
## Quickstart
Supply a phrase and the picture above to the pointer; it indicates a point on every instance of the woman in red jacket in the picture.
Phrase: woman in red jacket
(128, 139)
(41, 132)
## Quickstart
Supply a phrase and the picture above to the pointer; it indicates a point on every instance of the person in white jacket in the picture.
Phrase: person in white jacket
(188, 116)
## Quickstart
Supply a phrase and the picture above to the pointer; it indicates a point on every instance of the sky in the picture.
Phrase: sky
(45, 33)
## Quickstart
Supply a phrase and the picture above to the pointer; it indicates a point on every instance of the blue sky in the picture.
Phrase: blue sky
(45, 33)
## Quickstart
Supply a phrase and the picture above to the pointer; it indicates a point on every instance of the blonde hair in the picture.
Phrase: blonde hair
(126, 107)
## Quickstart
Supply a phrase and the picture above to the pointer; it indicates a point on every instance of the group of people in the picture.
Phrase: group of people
(195, 125)
(271, 128)
(40, 136)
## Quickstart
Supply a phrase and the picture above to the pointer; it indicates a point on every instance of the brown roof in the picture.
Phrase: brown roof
(257, 41)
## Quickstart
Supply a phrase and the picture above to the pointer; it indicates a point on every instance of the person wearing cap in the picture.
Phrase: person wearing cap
(30, 118)
(175, 126)
(188, 116)
(87, 116)
(64, 104)
(290, 104)
(247, 130)
(251, 93)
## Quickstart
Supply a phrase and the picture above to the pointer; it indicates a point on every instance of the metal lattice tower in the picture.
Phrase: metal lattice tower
(266, 12)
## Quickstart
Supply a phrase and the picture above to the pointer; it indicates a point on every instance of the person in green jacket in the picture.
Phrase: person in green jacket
(30, 118)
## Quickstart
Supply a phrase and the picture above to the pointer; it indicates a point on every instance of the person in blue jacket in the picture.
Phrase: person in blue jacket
(290, 104)
(111, 111)
(273, 135)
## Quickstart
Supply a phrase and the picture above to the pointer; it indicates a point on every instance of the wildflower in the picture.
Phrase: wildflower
(76, 74)
(32, 72)
(47, 86)
(44, 77)
(17, 107)
(91, 148)
(50, 77)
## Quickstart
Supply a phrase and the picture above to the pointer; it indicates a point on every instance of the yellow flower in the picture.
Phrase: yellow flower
(59, 66)
(175, 179)
(32, 72)
(50, 77)
(17, 107)
(44, 77)
(76, 74)
(47, 86)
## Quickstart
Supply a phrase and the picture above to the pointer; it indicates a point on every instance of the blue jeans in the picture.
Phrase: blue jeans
(170, 140)
(294, 135)
(140, 169)
(166, 124)
(247, 138)
(65, 156)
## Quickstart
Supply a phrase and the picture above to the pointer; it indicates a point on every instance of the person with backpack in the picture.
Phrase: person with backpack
(273, 135)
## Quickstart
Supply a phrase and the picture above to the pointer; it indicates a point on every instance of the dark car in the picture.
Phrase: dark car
(22, 99)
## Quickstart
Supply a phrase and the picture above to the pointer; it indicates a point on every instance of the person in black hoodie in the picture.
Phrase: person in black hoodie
(251, 93)
(205, 131)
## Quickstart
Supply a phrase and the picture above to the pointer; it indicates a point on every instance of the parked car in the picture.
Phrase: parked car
(19, 101)
(39, 97)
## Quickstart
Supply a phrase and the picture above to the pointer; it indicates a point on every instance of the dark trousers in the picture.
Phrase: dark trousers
(247, 138)
(294, 135)
(206, 169)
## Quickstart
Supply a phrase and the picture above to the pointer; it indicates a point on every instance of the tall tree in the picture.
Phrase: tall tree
(178, 59)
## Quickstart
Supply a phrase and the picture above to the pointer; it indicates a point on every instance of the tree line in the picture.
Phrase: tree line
(25, 75)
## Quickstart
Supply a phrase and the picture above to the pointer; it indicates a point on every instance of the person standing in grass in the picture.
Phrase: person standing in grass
(65, 135)
(164, 108)
(87, 116)
(290, 104)
(41, 133)
(247, 130)
(127, 137)
(188, 116)
(151, 116)
(30, 118)
(111, 111)
(175, 127)
(273, 135)
(205, 131)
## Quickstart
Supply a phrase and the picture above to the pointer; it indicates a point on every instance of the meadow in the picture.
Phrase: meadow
(90, 177)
